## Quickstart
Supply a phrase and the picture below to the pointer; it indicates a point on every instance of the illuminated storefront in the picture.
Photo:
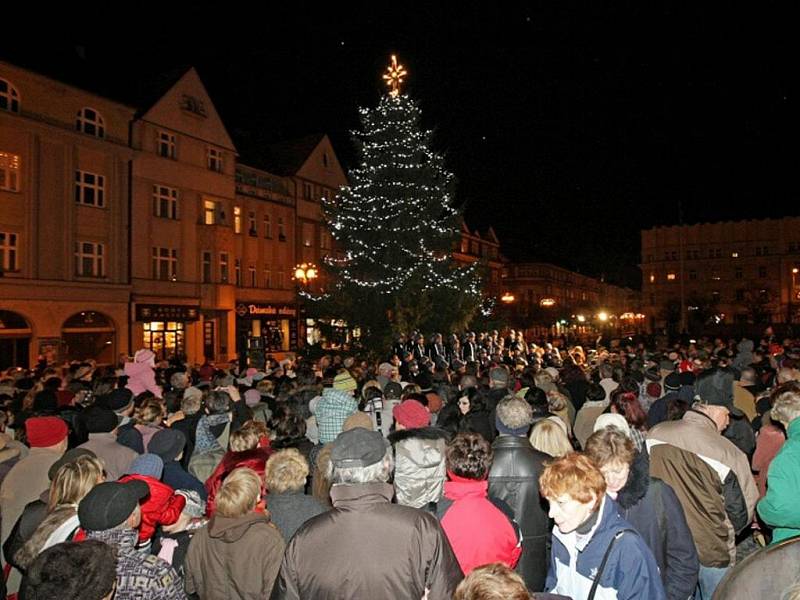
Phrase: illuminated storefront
(265, 329)
(164, 327)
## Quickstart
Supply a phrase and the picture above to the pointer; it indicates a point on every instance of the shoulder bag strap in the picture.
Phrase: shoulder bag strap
(596, 581)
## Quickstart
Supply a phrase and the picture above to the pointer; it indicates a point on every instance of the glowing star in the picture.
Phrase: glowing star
(394, 76)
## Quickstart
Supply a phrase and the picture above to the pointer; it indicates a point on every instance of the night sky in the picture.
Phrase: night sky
(569, 126)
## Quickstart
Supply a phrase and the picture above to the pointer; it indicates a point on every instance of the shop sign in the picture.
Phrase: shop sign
(268, 310)
(166, 312)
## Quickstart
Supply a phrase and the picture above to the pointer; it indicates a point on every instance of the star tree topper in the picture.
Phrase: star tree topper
(394, 76)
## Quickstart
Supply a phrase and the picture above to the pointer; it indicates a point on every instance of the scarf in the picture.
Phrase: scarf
(205, 440)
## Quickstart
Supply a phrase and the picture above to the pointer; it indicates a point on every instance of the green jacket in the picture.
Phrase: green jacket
(780, 508)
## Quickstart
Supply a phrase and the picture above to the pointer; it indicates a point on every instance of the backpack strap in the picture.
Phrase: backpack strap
(596, 581)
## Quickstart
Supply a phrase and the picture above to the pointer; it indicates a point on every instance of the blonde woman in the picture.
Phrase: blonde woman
(71, 483)
(550, 436)
(285, 476)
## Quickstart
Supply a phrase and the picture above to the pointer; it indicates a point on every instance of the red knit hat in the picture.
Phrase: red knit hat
(45, 431)
(411, 414)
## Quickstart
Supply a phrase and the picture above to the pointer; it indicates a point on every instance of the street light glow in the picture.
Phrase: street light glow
(603, 316)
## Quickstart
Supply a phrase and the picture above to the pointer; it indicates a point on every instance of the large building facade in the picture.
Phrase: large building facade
(729, 272)
(124, 227)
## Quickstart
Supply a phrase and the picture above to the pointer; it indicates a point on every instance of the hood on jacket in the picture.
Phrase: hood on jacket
(232, 530)
(333, 401)
(638, 481)
(423, 433)
(135, 369)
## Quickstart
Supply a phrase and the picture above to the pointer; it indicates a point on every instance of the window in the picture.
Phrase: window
(307, 191)
(464, 245)
(9, 97)
(251, 224)
(89, 259)
(166, 145)
(214, 159)
(670, 276)
(8, 251)
(740, 295)
(737, 273)
(210, 212)
(279, 283)
(281, 230)
(715, 276)
(267, 226)
(237, 269)
(165, 264)
(473, 248)
(308, 235)
(165, 202)
(715, 296)
(90, 189)
(734, 255)
(223, 267)
(206, 270)
(324, 240)
(718, 253)
(9, 172)
(90, 122)
(237, 219)
(652, 299)
(267, 278)
(325, 159)
(762, 272)
(674, 255)
(692, 274)
(251, 271)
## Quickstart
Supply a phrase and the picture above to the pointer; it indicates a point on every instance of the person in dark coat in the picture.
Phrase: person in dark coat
(651, 506)
(170, 445)
(514, 478)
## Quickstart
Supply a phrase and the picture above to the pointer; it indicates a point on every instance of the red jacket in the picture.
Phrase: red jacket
(254, 459)
(162, 507)
(478, 531)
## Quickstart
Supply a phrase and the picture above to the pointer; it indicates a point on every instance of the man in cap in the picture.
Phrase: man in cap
(709, 474)
(101, 424)
(367, 547)
(110, 513)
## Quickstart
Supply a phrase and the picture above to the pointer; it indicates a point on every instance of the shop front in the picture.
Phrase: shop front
(15, 340)
(164, 328)
(265, 329)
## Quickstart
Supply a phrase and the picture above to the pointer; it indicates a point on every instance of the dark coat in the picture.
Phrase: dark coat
(652, 507)
(177, 478)
(514, 478)
(289, 510)
(367, 547)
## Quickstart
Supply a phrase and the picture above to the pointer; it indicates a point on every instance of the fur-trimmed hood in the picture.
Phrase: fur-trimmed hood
(638, 481)
(423, 433)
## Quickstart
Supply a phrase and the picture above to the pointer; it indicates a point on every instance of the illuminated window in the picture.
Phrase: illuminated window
(9, 172)
(89, 259)
(8, 251)
(165, 264)
(9, 97)
(734, 255)
(90, 189)
(210, 212)
(652, 278)
(90, 122)
(671, 276)
(166, 145)
(165, 202)
(214, 159)
(237, 219)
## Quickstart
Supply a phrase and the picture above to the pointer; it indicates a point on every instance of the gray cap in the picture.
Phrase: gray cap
(358, 447)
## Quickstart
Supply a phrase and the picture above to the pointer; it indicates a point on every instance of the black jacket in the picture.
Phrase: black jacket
(652, 507)
(514, 478)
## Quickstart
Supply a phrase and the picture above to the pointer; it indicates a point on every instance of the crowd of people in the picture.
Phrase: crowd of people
(475, 467)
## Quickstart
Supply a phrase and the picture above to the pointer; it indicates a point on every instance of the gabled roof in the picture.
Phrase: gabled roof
(286, 157)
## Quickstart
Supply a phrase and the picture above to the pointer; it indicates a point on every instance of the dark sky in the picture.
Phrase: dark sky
(570, 126)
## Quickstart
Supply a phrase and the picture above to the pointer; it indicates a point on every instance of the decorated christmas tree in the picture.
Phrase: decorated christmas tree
(395, 227)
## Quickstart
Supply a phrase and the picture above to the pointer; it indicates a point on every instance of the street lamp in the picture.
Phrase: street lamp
(790, 316)
(507, 298)
(305, 273)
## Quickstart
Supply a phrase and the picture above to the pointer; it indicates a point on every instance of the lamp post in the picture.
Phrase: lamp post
(305, 273)
(790, 316)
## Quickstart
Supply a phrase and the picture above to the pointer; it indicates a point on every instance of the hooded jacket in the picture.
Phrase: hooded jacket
(419, 465)
(630, 573)
(368, 548)
(653, 509)
(234, 558)
(514, 479)
(712, 480)
(479, 532)
(780, 508)
(162, 507)
(141, 378)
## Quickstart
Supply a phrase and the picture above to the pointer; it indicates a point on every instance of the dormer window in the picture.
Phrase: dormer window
(9, 96)
(90, 122)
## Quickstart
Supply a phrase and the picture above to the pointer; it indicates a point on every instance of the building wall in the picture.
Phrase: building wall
(737, 263)
(46, 287)
(472, 247)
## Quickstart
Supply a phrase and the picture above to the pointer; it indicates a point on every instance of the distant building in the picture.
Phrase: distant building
(727, 272)
(473, 246)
